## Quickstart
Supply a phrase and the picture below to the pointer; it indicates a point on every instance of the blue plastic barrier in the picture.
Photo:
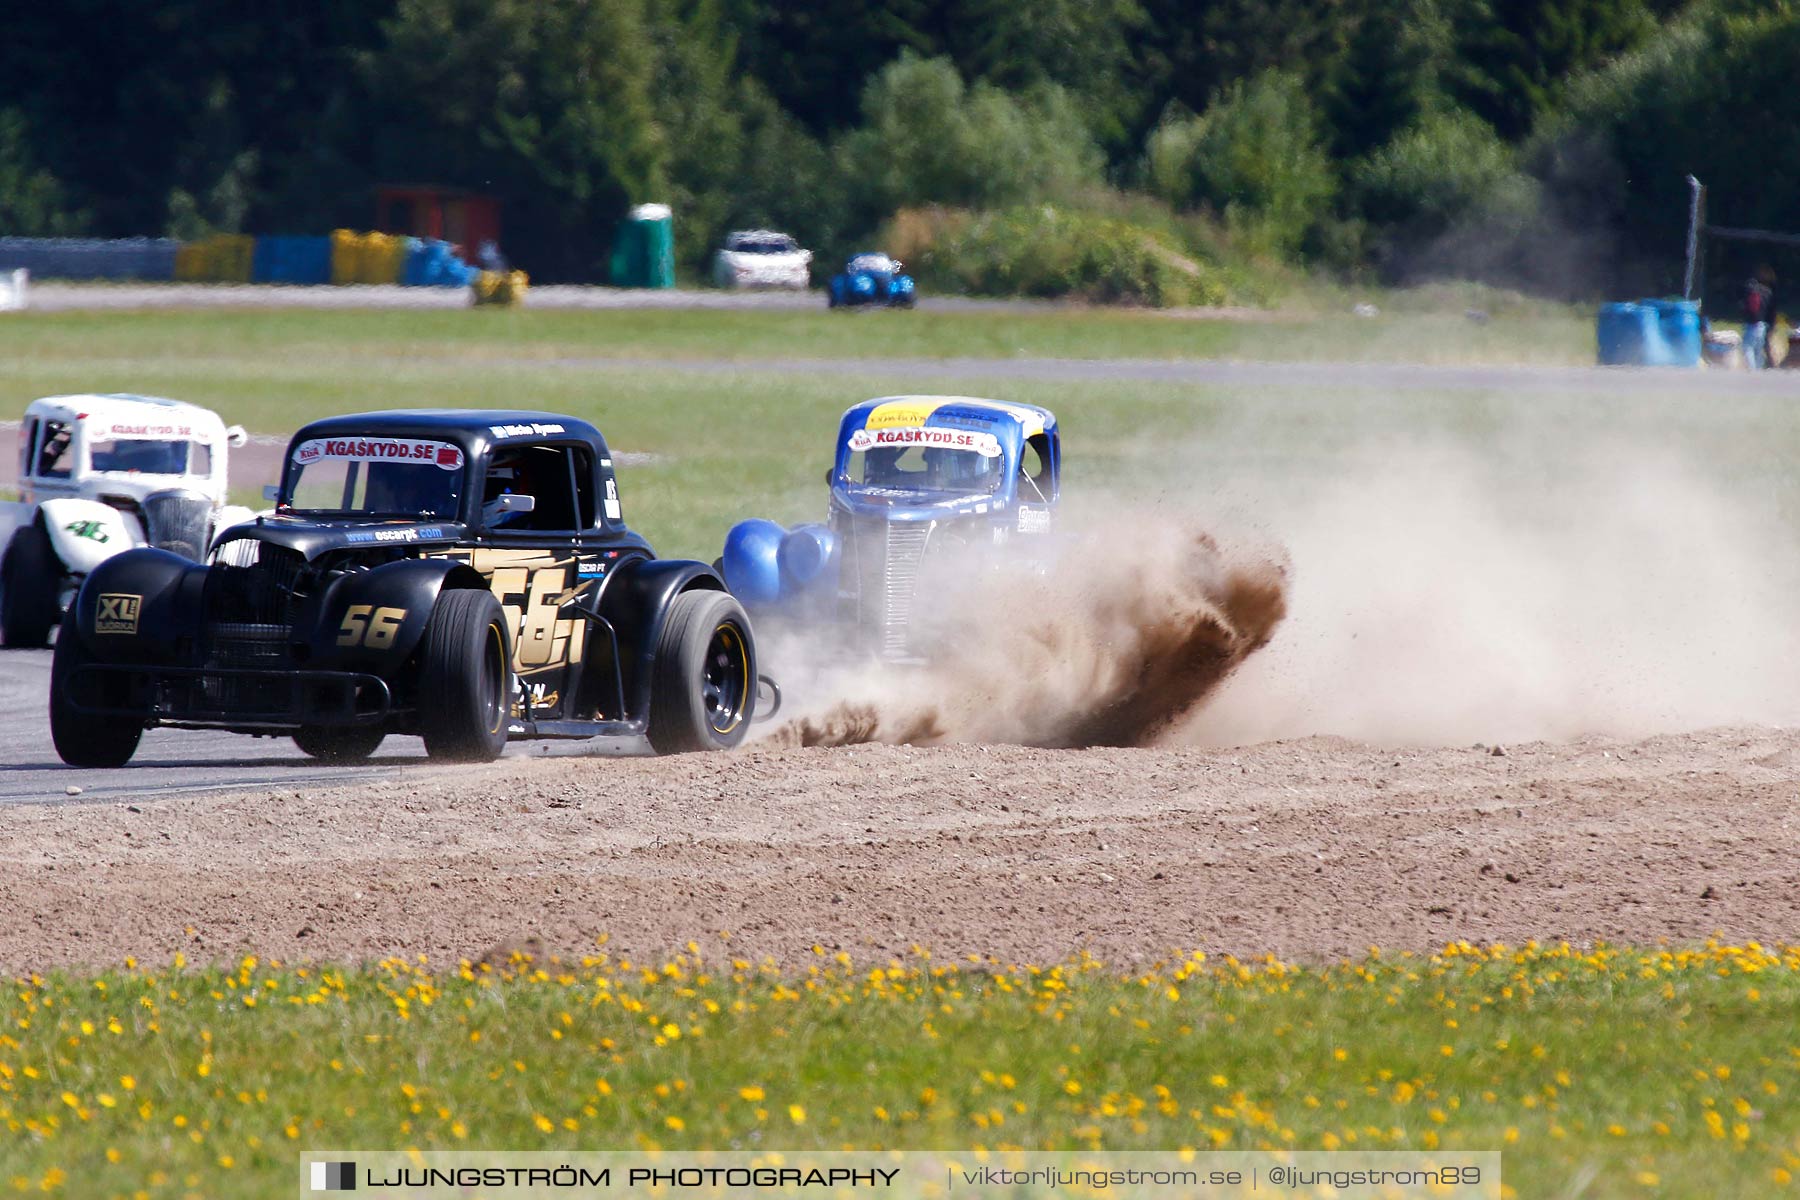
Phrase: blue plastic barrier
(431, 263)
(283, 258)
(1649, 333)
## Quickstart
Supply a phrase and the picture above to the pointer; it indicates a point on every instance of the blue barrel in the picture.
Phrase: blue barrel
(1649, 333)
(1679, 323)
(1626, 332)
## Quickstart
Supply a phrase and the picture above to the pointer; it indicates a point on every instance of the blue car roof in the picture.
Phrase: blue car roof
(1028, 419)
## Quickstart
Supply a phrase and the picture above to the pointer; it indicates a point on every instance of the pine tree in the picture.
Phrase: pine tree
(1388, 75)
(1515, 57)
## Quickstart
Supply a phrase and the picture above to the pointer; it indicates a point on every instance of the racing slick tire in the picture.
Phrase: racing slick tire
(465, 677)
(30, 579)
(703, 687)
(84, 739)
(339, 743)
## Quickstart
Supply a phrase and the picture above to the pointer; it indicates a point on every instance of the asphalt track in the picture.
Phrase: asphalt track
(188, 761)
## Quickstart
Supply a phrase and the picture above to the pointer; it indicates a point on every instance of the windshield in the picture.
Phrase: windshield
(910, 469)
(151, 457)
(385, 477)
(765, 246)
(877, 263)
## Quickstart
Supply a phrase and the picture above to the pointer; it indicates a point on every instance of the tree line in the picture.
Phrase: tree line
(1542, 142)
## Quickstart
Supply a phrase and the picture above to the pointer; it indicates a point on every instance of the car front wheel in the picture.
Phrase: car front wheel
(30, 585)
(84, 739)
(703, 689)
(465, 678)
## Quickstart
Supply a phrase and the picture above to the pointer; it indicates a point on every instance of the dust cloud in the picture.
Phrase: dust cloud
(1443, 595)
(1123, 634)
(1429, 593)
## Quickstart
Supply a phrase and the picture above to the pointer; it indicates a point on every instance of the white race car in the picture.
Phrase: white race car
(762, 258)
(99, 475)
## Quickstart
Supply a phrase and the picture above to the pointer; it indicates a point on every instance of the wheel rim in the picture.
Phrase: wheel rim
(493, 672)
(725, 679)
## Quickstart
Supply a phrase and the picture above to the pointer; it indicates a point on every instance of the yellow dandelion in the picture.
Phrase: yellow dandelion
(796, 1114)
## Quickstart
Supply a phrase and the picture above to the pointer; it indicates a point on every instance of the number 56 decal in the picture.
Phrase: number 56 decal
(366, 625)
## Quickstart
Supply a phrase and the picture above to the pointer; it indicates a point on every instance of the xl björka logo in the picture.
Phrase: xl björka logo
(117, 612)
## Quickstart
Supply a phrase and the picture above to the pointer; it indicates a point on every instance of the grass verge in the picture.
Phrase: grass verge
(347, 339)
(1645, 1071)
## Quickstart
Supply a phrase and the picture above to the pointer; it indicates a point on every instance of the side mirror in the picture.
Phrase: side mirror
(830, 476)
(235, 436)
(271, 491)
(510, 503)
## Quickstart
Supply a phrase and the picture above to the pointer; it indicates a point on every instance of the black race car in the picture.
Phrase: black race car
(464, 576)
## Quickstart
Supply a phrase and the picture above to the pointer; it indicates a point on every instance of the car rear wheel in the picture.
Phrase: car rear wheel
(338, 744)
(703, 689)
(84, 739)
(30, 583)
(465, 677)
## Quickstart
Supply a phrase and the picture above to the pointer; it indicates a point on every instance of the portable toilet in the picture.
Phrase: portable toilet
(644, 248)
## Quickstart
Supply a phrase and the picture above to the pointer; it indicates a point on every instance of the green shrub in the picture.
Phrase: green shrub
(926, 138)
(1040, 250)
(1445, 168)
(1254, 156)
(33, 203)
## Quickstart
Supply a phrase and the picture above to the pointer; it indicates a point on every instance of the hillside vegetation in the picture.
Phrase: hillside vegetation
(1137, 150)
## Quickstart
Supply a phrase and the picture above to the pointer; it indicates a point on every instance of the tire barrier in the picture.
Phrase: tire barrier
(367, 257)
(90, 258)
(345, 257)
(221, 258)
(500, 287)
(291, 259)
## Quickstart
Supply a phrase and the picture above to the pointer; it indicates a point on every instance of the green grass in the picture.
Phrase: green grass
(347, 340)
(729, 443)
(1667, 1073)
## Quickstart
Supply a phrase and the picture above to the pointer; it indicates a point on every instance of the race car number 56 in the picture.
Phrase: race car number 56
(366, 625)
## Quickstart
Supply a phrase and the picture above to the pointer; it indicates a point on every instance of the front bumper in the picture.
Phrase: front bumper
(229, 697)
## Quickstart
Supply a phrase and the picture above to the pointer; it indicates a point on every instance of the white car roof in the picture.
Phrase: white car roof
(132, 411)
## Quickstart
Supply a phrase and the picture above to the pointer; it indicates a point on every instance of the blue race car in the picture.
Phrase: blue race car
(871, 278)
(920, 485)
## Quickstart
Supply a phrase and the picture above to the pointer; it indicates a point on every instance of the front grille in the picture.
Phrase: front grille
(177, 522)
(887, 556)
(905, 547)
(241, 644)
(249, 610)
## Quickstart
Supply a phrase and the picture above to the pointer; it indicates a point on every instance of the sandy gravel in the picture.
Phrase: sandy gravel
(1303, 849)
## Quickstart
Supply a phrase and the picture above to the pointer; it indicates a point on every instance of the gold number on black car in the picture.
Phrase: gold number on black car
(366, 625)
(531, 599)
